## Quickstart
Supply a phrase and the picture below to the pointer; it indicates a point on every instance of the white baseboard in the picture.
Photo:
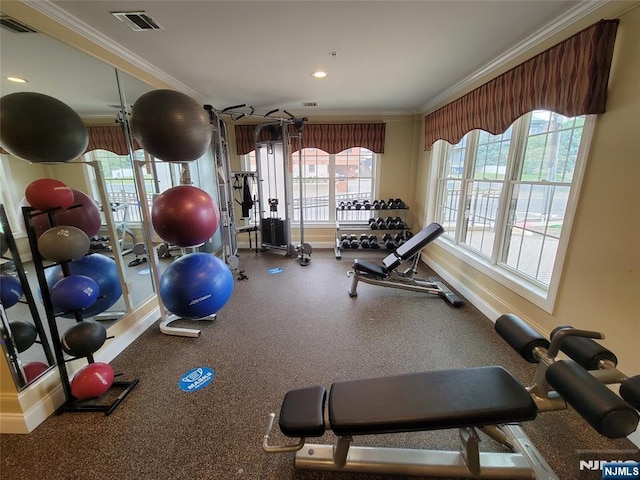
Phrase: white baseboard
(331, 244)
(487, 309)
(46, 395)
(461, 287)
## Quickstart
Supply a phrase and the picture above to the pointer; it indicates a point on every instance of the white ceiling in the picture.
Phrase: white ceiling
(392, 57)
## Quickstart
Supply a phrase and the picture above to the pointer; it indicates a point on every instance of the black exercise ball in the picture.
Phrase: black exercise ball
(40, 128)
(24, 334)
(4, 246)
(84, 338)
(171, 126)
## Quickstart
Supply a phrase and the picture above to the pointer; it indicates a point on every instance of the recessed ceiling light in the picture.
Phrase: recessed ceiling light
(319, 74)
(16, 79)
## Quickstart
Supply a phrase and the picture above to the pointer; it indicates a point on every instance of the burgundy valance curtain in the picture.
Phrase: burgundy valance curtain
(570, 78)
(332, 138)
(111, 138)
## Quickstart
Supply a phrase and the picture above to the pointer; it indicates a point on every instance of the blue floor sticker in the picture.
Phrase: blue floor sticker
(196, 379)
(275, 270)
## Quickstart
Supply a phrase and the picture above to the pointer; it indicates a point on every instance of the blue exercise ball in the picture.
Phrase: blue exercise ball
(102, 270)
(10, 291)
(73, 293)
(196, 285)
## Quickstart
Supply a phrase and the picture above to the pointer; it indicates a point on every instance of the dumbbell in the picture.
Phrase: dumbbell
(387, 237)
(344, 241)
(390, 244)
(373, 242)
(400, 204)
(367, 205)
(364, 240)
(383, 205)
(376, 205)
(357, 205)
(342, 205)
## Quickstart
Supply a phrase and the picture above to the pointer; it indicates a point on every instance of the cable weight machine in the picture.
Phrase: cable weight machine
(275, 141)
(220, 146)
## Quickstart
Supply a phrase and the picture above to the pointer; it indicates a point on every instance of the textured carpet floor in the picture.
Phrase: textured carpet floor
(278, 332)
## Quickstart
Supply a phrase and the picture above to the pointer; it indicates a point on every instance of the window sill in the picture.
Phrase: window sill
(538, 296)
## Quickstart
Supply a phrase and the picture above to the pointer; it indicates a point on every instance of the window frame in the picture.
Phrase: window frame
(535, 292)
(247, 159)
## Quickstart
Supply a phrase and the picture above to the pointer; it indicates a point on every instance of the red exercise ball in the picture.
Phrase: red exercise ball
(92, 381)
(185, 216)
(32, 370)
(48, 193)
(83, 214)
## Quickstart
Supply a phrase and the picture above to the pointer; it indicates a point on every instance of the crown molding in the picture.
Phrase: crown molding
(575, 14)
(64, 18)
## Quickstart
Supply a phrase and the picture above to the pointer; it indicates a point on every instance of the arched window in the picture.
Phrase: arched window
(328, 179)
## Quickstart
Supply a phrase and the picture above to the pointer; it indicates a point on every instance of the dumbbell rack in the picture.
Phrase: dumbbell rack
(355, 222)
(71, 403)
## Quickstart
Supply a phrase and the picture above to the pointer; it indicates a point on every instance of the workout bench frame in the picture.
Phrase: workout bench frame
(388, 275)
(580, 382)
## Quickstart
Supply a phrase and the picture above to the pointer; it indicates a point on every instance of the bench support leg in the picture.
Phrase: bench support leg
(353, 290)
(341, 451)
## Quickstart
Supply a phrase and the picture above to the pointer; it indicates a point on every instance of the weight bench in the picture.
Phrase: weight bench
(488, 399)
(388, 275)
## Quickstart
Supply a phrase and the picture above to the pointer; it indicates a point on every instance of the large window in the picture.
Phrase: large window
(328, 180)
(120, 183)
(506, 201)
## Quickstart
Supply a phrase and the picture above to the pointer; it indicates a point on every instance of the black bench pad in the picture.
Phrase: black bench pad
(370, 268)
(431, 400)
(302, 412)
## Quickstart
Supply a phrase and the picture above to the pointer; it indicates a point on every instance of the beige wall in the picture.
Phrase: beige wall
(600, 287)
(601, 282)
(397, 169)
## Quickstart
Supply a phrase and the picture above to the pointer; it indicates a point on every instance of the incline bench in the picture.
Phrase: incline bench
(388, 274)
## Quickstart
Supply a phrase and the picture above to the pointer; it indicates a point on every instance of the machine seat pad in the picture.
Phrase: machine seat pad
(302, 412)
(431, 400)
(370, 268)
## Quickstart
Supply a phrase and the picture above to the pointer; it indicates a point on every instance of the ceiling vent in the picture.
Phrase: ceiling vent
(309, 104)
(137, 21)
(14, 25)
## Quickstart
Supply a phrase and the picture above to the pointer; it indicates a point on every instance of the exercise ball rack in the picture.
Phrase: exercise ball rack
(71, 404)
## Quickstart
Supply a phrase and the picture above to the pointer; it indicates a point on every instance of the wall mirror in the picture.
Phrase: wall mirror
(104, 173)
